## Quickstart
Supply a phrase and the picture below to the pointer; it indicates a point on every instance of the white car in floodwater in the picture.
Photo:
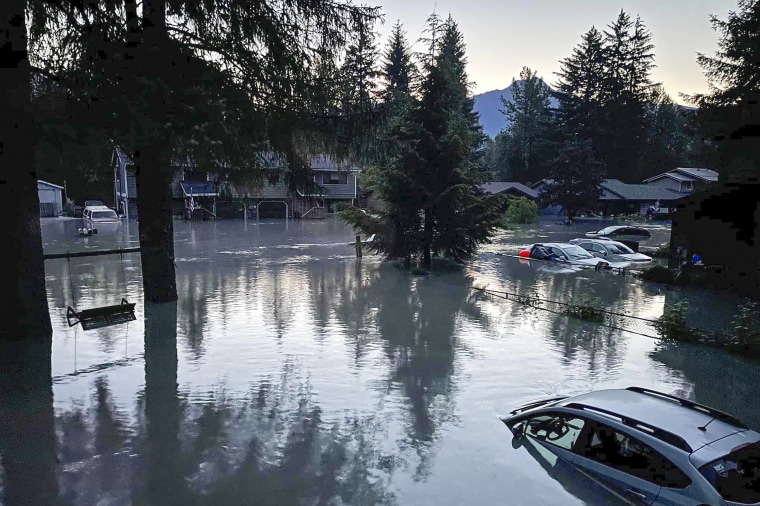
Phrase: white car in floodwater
(100, 218)
(565, 254)
(614, 252)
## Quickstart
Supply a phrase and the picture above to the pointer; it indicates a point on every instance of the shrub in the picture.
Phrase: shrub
(745, 326)
(521, 210)
(589, 308)
(659, 274)
(671, 325)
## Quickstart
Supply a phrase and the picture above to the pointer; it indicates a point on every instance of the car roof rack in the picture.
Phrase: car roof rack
(720, 415)
(661, 434)
(534, 404)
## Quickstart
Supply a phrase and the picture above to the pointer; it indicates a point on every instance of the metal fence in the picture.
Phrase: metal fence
(634, 324)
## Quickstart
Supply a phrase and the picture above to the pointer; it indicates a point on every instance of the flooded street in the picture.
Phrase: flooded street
(299, 374)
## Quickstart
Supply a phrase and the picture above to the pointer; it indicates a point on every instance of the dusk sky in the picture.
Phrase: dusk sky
(504, 35)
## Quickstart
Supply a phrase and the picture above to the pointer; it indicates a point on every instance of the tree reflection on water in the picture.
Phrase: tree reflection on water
(271, 445)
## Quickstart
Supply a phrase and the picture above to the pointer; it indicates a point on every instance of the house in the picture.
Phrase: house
(335, 182)
(720, 224)
(125, 185)
(625, 198)
(510, 188)
(198, 193)
(51, 199)
(684, 179)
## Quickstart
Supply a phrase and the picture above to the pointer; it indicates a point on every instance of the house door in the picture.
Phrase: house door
(273, 210)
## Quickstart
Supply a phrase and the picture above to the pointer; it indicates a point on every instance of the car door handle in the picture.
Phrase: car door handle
(636, 493)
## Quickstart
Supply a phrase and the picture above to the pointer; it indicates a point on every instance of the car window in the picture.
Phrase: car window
(619, 249)
(559, 429)
(626, 453)
(577, 253)
(104, 214)
(736, 476)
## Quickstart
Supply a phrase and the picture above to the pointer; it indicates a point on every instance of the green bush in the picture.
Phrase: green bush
(745, 326)
(589, 308)
(672, 324)
(659, 274)
(521, 210)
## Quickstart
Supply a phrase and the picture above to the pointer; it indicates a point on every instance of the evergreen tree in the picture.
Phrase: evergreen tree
(579, 87)
(626, 85)
(456, 216)
(431, 187)
(575, 177)
(731, 111)
(667, 142)
(529, 115)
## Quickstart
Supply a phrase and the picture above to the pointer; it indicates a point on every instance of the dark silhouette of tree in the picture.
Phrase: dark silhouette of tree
(575, 177)
(530, 121)
(730, 112)
(27, 429)
(19, 204)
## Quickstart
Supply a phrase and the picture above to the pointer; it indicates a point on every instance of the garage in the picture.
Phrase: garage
(272, 209)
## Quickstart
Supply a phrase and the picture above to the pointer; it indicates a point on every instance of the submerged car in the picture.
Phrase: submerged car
(563, 252)
(100, 217)
(612, 251)
(647, 447)
(621, 233)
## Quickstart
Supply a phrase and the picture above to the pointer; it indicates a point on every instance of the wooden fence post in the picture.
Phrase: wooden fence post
(358, 246)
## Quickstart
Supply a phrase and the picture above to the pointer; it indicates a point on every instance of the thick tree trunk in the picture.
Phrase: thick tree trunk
(25, 303)
(154, 211)
(28, 446)
(152, 160)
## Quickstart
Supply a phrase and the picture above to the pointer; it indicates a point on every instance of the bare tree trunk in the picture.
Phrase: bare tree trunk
(26, 304)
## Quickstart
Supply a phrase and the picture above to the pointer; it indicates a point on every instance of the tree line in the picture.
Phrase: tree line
(615, 122)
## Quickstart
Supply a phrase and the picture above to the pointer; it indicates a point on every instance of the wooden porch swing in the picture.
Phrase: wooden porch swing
(103, 316)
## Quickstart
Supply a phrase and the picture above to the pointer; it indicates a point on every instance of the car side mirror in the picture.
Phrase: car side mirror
(518, 429)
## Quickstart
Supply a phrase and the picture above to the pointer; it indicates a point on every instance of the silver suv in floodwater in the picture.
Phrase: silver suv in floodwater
(648, 447)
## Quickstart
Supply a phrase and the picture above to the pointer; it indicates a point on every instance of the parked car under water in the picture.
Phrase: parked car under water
(563, 253)
(100, 218)
(643, 446)
(621, 233)
(614, 252)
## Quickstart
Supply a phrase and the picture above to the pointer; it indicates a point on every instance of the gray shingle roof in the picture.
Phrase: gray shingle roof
(614, 189)
(501, 186)
(699, 173)
(198, 189)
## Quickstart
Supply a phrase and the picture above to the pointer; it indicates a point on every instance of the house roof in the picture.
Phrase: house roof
(202, 189)
(614, 189)
(502, 186)
(707, 175)
(688, 174)
(322, 163)
(40, 181)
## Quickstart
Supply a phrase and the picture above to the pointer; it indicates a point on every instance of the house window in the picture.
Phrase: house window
(334, 178)
(687, 185)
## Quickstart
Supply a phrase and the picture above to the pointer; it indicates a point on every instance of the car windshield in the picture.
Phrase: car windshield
(576, 253)
(103, 214)
(607, 230)
(736, 476)
(619, 249)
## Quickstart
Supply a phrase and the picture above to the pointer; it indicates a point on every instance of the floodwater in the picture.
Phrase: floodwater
(299, 374)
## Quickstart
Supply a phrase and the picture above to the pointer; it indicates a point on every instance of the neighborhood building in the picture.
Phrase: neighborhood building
(684, 179)
(618, 197)
(625, 198)
(51, 199)
(198, 193)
